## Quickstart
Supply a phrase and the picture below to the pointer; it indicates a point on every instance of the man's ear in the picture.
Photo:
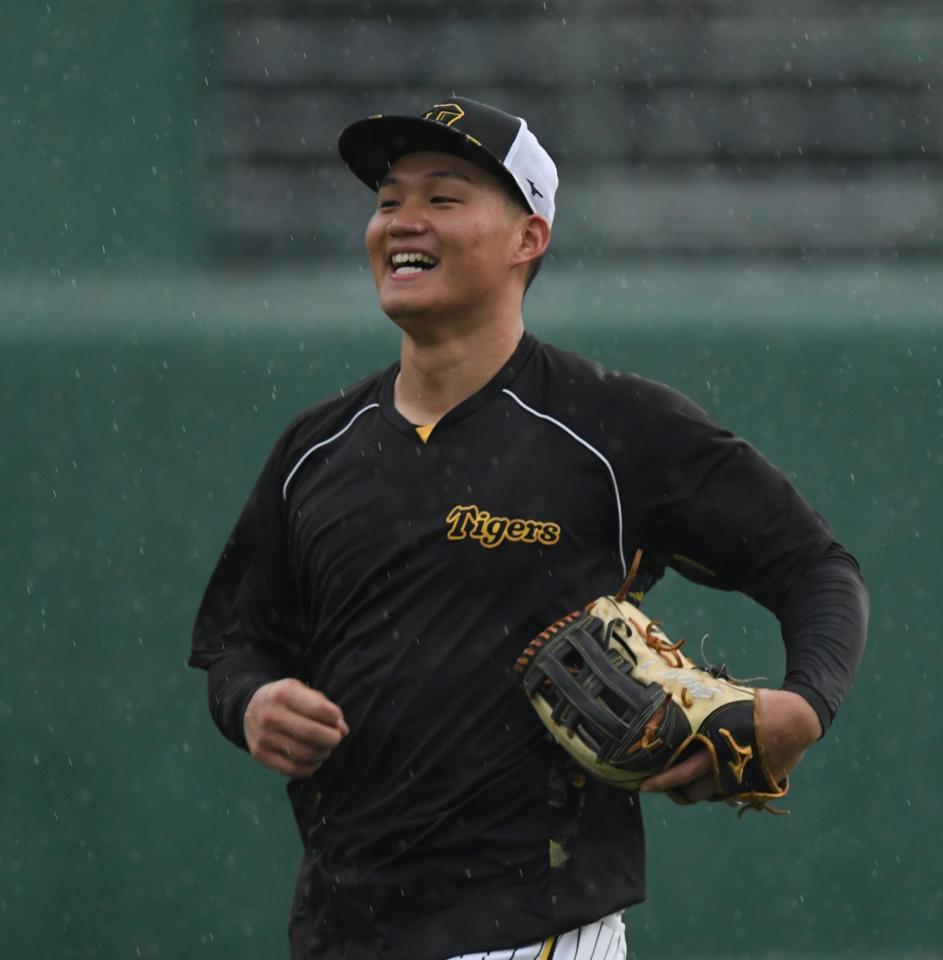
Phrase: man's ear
(534, 239)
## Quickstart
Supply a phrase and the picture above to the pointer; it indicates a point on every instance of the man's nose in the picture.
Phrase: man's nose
(407, 221)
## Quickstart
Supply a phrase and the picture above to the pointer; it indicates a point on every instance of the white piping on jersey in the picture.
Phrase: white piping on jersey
(324, 443)
(593, 450)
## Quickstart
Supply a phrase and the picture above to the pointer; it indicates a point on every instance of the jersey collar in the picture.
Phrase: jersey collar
(501, 379)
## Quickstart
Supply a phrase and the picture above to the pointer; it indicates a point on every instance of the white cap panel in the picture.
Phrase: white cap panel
(534, 172)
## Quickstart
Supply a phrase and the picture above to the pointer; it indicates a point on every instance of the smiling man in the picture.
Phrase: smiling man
(408, 537)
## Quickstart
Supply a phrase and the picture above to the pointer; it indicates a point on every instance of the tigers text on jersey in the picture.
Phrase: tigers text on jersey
(403, 578)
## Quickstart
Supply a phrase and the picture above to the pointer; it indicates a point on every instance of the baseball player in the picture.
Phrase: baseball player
(406, 538)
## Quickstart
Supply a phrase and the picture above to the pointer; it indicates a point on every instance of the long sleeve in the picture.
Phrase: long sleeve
(721, 514)
(824, 625)
(248, 629)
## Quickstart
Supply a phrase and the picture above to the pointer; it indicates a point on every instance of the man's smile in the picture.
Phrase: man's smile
(410, 262)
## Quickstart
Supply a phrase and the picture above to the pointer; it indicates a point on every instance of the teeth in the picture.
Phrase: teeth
(403, 259)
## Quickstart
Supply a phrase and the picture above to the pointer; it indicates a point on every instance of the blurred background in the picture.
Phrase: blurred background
(750, 208)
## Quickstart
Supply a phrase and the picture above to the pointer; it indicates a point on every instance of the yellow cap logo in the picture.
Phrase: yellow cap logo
(447, 113)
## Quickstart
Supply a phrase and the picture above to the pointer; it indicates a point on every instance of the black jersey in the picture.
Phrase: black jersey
(403, 578)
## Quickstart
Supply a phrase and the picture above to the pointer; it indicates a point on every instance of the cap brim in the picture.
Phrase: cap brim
(370, 147)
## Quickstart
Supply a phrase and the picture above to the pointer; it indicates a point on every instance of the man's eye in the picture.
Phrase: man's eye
(386, 204)
(444, 200)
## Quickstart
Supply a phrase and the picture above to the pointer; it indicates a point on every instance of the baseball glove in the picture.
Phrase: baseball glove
(626, 703)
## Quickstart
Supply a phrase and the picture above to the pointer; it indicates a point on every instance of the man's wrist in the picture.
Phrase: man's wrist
(230, 692)
(815, 700)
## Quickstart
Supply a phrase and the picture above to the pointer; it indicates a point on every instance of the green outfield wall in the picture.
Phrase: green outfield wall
(100, 133)
(134, 419)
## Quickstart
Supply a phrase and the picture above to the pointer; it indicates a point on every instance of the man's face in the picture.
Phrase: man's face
(442, 241)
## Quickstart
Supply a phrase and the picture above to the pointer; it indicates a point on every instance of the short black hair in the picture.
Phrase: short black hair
(533, 268)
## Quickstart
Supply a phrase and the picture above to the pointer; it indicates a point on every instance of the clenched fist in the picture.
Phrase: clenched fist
(291, 728)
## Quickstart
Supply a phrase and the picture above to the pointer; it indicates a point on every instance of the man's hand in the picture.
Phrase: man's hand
(291, 728)
(787, 727)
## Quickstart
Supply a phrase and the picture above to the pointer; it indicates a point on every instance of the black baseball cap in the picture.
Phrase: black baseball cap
(497, 141)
